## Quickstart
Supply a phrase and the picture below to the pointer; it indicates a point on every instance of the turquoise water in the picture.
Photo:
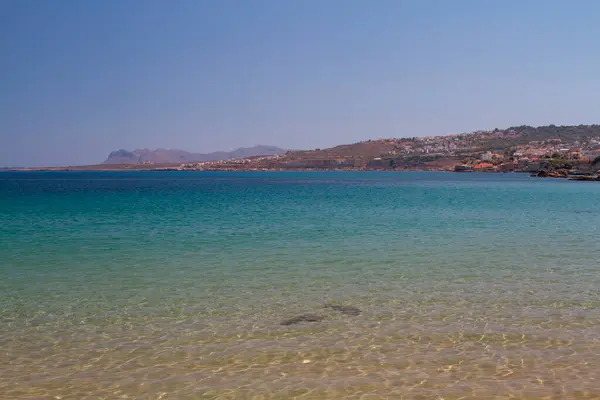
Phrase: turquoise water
(174, 285)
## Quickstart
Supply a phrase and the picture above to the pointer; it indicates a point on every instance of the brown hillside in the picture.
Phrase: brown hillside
(368, 149)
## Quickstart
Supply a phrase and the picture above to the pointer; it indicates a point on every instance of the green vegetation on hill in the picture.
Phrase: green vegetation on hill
(563, 132)
(504, 140)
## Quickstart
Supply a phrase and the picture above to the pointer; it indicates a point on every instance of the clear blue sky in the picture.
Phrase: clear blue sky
(81, 78)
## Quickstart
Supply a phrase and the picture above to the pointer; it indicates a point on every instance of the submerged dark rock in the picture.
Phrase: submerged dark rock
(348, 310)
(303, 318)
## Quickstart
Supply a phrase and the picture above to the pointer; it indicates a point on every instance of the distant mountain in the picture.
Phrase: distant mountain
(166, 156)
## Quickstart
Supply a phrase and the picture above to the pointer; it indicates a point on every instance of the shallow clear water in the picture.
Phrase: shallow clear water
(174, 285)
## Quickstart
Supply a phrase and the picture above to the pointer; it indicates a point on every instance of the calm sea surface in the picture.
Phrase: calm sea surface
(174, 286)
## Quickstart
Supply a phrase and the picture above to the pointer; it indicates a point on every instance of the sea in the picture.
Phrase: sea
(308, 285)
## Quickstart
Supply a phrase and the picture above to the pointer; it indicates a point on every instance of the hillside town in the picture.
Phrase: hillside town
(512, 150)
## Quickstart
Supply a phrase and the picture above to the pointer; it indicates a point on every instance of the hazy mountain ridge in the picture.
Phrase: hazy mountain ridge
(158, 156)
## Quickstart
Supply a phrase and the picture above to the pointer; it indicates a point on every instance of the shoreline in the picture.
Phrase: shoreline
(179, 168)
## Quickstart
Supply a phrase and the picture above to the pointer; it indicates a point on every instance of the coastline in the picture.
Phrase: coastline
(176, 168)
(212, 167)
